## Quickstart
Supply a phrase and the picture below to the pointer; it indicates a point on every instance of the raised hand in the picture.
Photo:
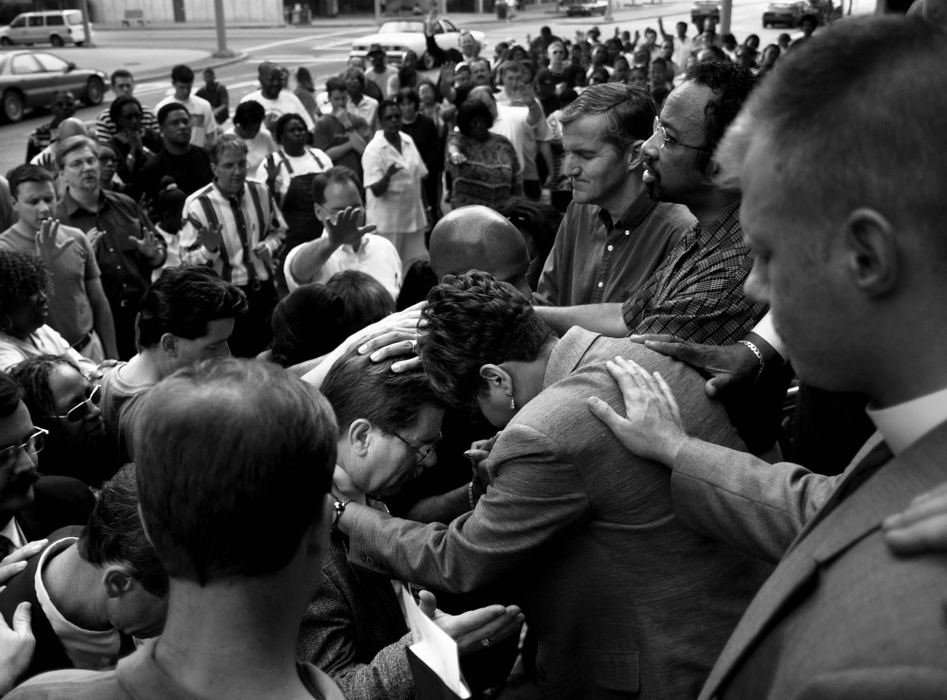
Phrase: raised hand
(147, 245)
(210, 237)
(346, 226)
(94, 235)
(652, 427)
(47, 247)
(475, 629)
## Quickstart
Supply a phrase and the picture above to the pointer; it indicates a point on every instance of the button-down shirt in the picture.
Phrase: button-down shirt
(697, 294)
(400, 209)
(595, 260)
(262, 222)
(367, 109)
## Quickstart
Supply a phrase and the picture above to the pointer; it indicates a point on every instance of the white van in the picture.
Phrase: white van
(58, 27)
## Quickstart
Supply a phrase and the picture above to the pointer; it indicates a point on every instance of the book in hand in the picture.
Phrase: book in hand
(433, 658)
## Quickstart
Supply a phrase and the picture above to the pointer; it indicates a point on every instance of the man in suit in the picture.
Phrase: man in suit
(624, 601)
(855, 282)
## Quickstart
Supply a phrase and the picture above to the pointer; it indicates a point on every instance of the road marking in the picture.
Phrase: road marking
(297, 40)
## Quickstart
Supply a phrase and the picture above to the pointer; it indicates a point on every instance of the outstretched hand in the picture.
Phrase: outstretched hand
(652, 427)
(346, 226)
(47, 247)
(475, 629)
(727, 366)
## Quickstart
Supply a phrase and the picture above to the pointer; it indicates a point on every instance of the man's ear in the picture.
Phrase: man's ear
(871, 252)
(118, 580)
(320, 212)
(360, 435)
(634, 155)
(168, 344)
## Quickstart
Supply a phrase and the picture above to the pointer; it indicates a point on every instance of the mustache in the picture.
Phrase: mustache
(23, 481)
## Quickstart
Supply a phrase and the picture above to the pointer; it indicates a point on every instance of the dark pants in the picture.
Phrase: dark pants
(252, 333)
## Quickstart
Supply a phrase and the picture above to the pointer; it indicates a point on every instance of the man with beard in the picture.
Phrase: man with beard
(188, 165)
(697, 294)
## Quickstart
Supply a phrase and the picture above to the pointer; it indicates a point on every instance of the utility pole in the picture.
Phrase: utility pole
(220, 20)
(726, 12)
(85, 23)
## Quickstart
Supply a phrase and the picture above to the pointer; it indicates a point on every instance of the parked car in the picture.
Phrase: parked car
(583, 7)
(58, 27)
(398, 36)
(784, 14)
(702, 10)
(29, 79)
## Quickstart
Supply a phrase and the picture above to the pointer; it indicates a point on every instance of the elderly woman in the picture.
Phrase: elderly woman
(483, 165)
(24, 283)
(394, 171)
(354, 630)
(289, 173)
(65, 402)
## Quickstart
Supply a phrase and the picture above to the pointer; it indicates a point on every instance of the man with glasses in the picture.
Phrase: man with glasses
(126, 246)
(613, 236)
(347, 242)
(697, 293)
(186, 164)
(123, 85)
(78, 307)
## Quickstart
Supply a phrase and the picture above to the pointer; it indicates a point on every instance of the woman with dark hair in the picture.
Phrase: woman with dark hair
(483, 165)
(134, 149)
(23, 331)
(289, 173)
(63, 401)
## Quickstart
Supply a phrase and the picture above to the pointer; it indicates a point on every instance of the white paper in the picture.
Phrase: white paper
(434, 646)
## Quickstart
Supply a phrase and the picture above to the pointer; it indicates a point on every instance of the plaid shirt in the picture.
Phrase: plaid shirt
(697, 294)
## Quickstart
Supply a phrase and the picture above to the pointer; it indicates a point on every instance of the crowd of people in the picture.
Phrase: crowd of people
(617, 359)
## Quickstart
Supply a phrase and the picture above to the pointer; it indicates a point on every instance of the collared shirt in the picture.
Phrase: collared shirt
(126, 273)
(74, 266)
(697, 294)
(400, 209)
(14, 533)
(262, 222)
(514, 122)
(95, 650)
(43, 341)
(367, 109)
(906, 423)
(375, 256)
(595, 260)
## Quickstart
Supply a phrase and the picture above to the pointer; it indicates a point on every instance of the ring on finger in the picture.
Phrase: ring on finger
(414, 346)
(486, 642)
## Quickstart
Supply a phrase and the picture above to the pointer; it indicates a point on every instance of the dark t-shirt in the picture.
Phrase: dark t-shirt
(190, 171)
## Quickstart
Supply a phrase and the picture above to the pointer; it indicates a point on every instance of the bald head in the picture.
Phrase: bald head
(73, 126)
(478, 238)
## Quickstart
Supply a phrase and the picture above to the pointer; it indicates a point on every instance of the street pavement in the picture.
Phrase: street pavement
(323, 48)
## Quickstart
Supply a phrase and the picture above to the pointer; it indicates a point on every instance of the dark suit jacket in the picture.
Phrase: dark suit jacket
(354, 631)
(624, 600)
(841, 613)
(49, 654)
(58, 501)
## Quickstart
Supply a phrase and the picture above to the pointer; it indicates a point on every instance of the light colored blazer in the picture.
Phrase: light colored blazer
(625, 600)
(841, 616)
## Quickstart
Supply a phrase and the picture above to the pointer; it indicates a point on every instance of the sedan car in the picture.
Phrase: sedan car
(785, 14)
(30, 79)
(398, 36)
(584, 7)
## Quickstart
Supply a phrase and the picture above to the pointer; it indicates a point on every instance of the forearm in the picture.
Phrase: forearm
(379, 188)
(310, 259)
(441, 508)
(545, 150)
(336, 152)
(598, 318)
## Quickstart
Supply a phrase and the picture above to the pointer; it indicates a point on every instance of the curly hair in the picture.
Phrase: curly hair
(21, 276)
(732, 85)
(472, 320)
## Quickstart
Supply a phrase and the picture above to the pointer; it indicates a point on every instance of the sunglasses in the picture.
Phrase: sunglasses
(83, 408)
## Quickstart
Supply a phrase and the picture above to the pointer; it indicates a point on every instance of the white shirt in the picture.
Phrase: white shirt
(367, 109)
(376, 256)
(906, 423)
(381, 79)
(13, 533)
(204, 127)
(92, 650)
(43, 341)
(513, 122)
(313, 160)
(401, 208)
(258, 148)
(285, 103)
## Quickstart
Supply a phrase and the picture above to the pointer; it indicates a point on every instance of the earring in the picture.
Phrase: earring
(512, 401)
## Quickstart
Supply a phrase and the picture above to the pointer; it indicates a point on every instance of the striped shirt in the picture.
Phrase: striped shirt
(697, 294)
(247, 219)
(105, 128)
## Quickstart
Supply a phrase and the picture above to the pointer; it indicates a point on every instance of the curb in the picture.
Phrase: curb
(209, 62)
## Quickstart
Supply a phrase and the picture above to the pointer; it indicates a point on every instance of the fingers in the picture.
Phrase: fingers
(428, 603)
(21, 620)
(604, 412)
(476, 456)
(401, 340)
(927, 505)
(406, 365)
(668, 395)
(369, 228)
(925, 535)
(25, 552)
(655, 337)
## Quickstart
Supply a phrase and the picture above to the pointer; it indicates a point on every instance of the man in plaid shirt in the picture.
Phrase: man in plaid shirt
(697, 293)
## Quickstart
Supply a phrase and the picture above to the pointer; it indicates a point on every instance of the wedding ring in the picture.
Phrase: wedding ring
(414, 346)
(485, 642)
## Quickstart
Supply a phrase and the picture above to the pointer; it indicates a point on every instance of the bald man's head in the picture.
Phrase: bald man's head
(478, 238)
(73, 126)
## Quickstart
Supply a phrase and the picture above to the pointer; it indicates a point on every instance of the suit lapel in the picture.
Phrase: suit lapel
(832, 531)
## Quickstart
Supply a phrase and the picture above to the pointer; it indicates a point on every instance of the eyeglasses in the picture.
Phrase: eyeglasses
(422, 451)
(34, 443)
(670, 140)
(83, 408)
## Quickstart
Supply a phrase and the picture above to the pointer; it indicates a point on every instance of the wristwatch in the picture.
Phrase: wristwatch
(339, 505)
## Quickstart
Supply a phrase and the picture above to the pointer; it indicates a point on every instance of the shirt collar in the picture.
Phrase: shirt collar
(633, 215)
(904, 424)
(71, 206)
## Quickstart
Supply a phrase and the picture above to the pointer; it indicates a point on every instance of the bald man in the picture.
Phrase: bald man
(73, 126)
(478, 238)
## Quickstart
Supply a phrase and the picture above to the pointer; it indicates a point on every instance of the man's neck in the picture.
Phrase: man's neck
(25, 229)
(710, 204)
(631, 189)
(146, 368)
(529, 377)
(235, 640)
(68, 579)
(89, 199)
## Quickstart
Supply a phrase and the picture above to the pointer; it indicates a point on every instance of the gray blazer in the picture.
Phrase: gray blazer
(625, 600)
(841, 616)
